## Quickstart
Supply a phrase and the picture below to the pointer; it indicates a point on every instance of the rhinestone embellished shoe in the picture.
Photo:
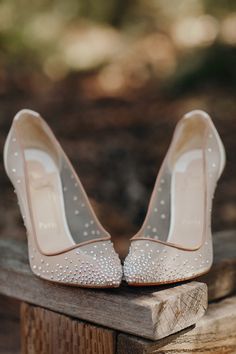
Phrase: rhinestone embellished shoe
(66, 242)
(175, 242)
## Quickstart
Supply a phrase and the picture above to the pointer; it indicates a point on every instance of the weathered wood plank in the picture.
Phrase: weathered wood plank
(47, 332)
(214, 333)
(147, 312)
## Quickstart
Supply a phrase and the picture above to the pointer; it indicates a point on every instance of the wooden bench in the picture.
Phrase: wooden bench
(168, 319)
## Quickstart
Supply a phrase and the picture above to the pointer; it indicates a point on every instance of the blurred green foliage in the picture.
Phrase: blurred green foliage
(165, 40)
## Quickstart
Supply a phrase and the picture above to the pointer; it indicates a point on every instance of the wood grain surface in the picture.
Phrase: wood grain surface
(9, 326)
(214, 333)
(153, 312)
(47, 332)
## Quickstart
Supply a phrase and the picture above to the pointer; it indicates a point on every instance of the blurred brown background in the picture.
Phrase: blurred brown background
(112, 79)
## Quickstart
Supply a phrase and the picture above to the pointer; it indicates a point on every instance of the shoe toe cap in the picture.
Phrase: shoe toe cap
(95, 264)
(150, 262)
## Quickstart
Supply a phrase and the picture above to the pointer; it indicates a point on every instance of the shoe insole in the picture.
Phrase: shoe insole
(47, 202)
(187, 200)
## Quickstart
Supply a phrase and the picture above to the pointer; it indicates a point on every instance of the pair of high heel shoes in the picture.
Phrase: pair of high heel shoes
(67, 244)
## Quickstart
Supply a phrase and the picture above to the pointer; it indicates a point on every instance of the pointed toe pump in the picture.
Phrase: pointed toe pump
(175, 241)
(66, 242)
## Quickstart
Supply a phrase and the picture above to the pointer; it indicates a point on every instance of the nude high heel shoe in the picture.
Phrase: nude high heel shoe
(66, 242)
(175, 240)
